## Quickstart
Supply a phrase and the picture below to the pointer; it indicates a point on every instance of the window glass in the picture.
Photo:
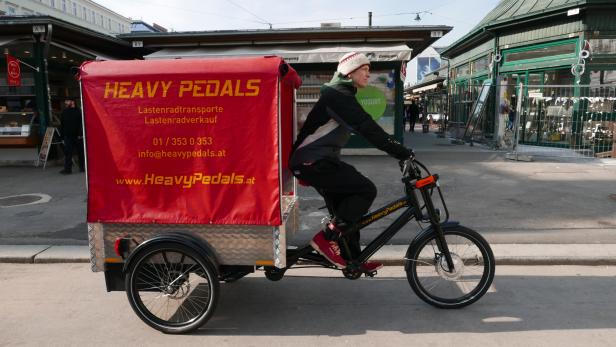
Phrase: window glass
(480, 64)
(543, 52)
(463, 70)
(603, 77)
(558, 77)
(605, 46)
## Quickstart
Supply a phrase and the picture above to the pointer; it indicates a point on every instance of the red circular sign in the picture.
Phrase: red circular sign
(14, 69)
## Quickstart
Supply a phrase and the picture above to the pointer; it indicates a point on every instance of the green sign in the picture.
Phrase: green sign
(373, 101)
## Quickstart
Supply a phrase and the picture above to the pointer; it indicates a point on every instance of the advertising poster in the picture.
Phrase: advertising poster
(425, 65)
(378, 98)
(183, 142)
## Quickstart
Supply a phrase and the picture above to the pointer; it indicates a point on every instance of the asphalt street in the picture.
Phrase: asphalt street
(66, 305)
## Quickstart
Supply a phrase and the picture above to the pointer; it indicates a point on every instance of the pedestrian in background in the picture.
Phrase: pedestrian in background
(72, 135)
(413, 115)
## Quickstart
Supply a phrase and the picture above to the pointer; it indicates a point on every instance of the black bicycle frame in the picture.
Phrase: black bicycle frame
(410, 201)
(414, 210)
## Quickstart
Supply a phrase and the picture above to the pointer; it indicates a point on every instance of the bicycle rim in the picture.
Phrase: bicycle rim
(474, 270)
(171, 289)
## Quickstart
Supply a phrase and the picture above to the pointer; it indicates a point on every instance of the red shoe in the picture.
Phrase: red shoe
(370, 266)
(329, 249)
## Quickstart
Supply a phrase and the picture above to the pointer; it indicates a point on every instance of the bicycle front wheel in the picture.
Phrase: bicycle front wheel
(430, 277)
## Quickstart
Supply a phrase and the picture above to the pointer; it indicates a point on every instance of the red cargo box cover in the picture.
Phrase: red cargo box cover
(184, 141)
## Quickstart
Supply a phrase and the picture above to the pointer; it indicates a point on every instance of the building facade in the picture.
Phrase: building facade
(84, 13)
(562, 52)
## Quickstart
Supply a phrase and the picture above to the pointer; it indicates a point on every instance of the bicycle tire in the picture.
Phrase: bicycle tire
(170, 275)
(426, 268)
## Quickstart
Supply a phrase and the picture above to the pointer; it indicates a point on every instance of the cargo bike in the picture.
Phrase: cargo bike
(188, 187)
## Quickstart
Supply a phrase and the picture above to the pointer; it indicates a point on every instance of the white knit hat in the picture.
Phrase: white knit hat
(351, 62)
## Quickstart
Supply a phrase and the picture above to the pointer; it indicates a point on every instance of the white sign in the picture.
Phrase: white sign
(573, 11)
(436, 33)
(137, 44)
(45, 146)
(38, 29)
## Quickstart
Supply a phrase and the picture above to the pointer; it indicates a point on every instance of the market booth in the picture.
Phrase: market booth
(40, 57)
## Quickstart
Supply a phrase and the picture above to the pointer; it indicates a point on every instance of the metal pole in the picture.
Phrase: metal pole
(518, 113)
(370, 19)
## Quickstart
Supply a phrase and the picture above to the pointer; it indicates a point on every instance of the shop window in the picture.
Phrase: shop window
(603, 77)
(541, 52)
(603, 46)
(558, 77)
(463, 70)
(480, 64)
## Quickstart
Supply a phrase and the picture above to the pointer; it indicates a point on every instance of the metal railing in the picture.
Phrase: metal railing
(566, 121)
(550, 120)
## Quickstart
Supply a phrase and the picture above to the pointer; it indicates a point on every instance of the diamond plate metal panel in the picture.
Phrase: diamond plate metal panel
(96, 242)
(233, 244)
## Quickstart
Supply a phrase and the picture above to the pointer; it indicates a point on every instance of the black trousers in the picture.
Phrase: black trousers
(72, 144)
(412, 122)
(348, 193)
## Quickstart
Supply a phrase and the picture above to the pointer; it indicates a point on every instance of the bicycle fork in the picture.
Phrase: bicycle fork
(436, 225)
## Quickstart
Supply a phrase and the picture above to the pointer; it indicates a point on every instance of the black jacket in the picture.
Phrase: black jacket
(330, 123)
(70, 123)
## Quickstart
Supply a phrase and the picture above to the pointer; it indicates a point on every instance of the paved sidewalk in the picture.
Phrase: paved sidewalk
(506, 254)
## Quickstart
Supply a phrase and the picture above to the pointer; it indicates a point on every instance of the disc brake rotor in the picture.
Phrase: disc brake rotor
(442, 268)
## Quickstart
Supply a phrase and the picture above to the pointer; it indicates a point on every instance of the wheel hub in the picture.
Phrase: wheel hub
(178, 288)
(442, 268)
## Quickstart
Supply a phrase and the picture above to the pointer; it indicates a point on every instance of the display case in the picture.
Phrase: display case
(18, 129)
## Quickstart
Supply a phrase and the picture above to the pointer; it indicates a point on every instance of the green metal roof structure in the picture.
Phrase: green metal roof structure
(519, 12)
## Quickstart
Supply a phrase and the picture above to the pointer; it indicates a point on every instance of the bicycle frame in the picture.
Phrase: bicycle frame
(412, 184)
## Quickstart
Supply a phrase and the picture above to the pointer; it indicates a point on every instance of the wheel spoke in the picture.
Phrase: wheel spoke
(466, 283)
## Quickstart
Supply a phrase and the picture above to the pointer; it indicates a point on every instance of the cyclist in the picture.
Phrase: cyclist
(315, 157)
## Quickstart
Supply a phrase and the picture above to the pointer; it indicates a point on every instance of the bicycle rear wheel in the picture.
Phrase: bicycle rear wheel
(428, 275)
(172, 288)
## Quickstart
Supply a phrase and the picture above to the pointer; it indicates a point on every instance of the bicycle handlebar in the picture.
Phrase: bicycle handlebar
(415, 165)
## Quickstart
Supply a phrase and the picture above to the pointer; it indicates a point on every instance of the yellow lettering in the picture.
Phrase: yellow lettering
(152, 88)
(185, 86)
(227, 89)
(123, 91)
(198, 91)
(254, 86)
(166, 88)
(238, 85)
(138, 90)
(209, 91)
(109, 89)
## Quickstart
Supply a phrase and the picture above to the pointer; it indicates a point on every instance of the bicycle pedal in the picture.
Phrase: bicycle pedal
(370, 274)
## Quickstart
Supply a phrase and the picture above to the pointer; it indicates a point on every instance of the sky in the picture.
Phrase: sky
(204, 15)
